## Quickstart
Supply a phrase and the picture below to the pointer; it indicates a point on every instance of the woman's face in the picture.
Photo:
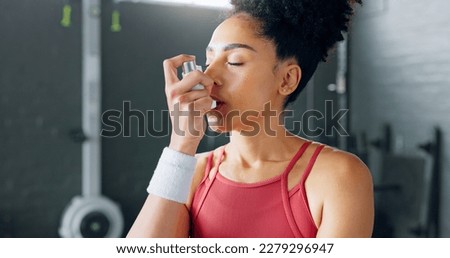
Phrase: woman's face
(243, 66)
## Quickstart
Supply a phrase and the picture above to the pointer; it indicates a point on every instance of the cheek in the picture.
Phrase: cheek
(258, 92)
(252, 88)
(265, 84)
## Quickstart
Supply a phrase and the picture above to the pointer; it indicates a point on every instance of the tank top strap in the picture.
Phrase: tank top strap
(311, 164)
(208, 183)
(209, 165)
(302, 190)
(284, 190)
(297, 156)
(219, 161)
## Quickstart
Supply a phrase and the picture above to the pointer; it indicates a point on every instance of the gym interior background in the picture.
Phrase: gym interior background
(392, 75)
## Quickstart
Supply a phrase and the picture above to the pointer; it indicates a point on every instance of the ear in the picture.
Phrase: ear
(292, 73)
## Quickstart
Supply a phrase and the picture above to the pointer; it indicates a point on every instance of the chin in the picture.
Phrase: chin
(216, 122)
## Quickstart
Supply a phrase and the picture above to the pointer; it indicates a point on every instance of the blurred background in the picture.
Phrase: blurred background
(66, 64)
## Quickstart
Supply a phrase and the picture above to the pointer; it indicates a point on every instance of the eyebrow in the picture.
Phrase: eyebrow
(232, 46)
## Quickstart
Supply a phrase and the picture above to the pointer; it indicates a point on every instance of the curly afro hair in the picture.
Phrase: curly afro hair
(302, 29)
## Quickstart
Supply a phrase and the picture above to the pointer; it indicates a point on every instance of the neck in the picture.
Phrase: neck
(274, 145)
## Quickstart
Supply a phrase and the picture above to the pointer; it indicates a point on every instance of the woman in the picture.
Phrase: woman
(265, 182)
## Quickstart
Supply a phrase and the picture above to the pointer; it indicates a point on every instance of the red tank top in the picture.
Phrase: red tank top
(223, 208)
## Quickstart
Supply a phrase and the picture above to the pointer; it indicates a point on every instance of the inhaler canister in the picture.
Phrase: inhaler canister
(191, 66)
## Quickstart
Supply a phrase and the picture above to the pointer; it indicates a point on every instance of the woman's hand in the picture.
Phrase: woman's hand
(187, 107)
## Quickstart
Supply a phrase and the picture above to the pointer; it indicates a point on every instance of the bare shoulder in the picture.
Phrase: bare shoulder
(342, 167)
(202, 160)
(344, 189)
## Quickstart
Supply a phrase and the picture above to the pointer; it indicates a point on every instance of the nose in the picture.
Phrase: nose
(213, 71)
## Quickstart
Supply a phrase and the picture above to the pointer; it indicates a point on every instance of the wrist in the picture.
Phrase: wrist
(173, 175)
(186, 147)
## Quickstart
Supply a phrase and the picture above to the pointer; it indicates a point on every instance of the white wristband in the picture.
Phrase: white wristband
(173, 176)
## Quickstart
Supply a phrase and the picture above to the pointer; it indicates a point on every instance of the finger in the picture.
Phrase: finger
(188, 83)
(192, 96)
(203, 104)
(170, 67)
(194, 78)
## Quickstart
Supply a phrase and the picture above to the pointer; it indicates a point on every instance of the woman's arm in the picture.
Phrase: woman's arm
(164, 218)
(348, 203)
(161, 217)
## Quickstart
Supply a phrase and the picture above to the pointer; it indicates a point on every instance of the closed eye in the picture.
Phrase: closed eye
(233, 64)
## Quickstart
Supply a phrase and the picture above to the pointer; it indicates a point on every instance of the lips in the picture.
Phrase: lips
(219, 102)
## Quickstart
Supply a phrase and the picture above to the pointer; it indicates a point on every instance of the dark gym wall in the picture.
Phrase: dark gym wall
(400, 75)
(40, 102)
